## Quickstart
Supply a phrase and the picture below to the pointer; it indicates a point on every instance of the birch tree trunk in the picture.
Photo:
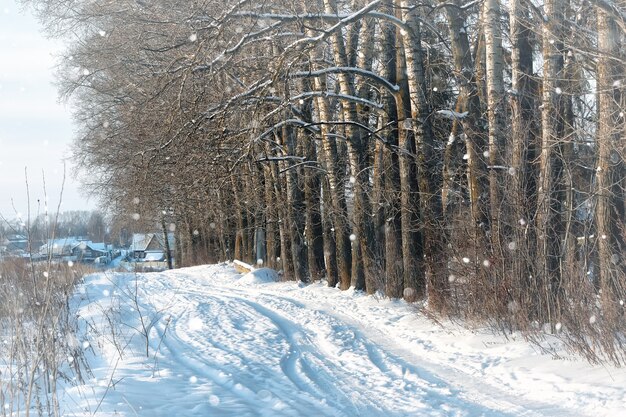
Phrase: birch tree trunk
(495, 114)
(363, 268)
(389, 204)
(609, 213)
(473, 137)
(336, 214)
(296, 211)
(411, 234)
(429, 179)
(523, 130)
(549, 197)
(272, 237)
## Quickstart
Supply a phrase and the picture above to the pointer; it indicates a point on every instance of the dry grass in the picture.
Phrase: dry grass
(38, 332)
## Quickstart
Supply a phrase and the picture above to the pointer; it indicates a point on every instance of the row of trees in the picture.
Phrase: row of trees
(91, 225)
(470, 154)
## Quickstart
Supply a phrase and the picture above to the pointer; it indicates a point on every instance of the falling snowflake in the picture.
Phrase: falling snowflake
(193, 37)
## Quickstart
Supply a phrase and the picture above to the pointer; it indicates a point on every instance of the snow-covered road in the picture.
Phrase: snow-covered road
(223, 345)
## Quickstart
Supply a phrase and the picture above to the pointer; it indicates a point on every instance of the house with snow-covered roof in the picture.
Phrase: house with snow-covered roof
(151, 246)
(75, 249)
(88, 251)
(61, 247)
(15, 242)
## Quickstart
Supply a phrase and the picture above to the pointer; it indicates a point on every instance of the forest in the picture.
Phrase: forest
(465, 155)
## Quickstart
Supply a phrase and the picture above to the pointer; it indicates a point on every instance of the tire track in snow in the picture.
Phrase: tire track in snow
(311, 372)
(304, 367)
(466, 389)
(313, 356)
(238, 381)
(434, 379)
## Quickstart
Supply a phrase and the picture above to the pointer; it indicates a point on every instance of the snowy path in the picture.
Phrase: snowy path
(224, 346)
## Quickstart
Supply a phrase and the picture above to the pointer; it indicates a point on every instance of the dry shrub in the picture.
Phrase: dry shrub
(38, 332)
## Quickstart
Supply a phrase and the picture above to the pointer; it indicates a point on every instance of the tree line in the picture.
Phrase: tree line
(467, 154)
(92, 225)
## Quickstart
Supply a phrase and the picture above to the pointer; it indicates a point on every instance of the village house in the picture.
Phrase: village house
(75, 249)
(151, 247)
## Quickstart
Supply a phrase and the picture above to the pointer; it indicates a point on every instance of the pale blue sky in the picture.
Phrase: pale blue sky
(35, 130)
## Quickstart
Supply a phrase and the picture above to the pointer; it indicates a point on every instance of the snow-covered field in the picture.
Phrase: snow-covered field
(220, 344)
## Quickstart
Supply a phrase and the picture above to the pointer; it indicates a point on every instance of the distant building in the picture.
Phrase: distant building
(15, 243)
(89, 251)
(75, 249)
(151, 246)
(60, 248)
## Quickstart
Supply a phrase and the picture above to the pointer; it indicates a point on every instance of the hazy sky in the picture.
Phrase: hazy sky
(35, 130)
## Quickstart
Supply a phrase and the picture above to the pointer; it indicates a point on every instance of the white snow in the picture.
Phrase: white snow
(225, 345)
(451, 114)
(259, 276)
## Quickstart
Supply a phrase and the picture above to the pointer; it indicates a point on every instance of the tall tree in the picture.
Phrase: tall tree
(609, 212)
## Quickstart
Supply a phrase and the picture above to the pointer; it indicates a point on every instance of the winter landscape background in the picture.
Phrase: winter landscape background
(333, 207)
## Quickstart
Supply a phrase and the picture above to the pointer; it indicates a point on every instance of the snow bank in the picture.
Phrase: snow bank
(259, 276)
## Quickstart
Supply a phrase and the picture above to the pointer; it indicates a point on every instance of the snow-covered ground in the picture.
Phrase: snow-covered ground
(220, 344)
